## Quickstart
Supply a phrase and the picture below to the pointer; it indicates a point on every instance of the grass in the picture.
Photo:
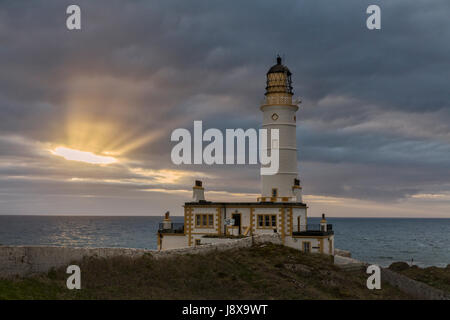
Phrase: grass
(262, 272)
(433, 276)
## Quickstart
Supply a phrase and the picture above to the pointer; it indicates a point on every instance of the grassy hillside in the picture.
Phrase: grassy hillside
(263, 272)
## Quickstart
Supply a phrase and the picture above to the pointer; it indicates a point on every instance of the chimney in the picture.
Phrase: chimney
(323, 223)
(167, 223)
(297, 190)
(198, 191)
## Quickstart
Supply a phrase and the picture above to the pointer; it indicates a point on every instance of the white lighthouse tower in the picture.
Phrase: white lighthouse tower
(279, 112)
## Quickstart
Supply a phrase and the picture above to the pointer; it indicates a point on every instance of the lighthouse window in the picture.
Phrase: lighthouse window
(274, 193)
(204, 220)
(267, 221)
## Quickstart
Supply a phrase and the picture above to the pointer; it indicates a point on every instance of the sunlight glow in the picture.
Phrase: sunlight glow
(83, 156)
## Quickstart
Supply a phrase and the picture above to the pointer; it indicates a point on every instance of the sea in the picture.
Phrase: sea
(422, 242)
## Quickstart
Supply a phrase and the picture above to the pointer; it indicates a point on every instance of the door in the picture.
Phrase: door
(237, 221)
(306, 246)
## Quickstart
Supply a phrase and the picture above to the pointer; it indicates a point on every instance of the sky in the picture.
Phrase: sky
(373, 128)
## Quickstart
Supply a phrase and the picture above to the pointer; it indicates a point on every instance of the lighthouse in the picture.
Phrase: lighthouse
(279, 112)
(279, 212)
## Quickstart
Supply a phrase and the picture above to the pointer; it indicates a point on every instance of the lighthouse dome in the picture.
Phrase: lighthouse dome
(279, 68)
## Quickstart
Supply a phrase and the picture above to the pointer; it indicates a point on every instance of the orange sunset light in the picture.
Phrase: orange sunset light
(82, 156)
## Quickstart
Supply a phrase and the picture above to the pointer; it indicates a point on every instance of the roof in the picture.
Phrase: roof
(279, 67)
(253, 204)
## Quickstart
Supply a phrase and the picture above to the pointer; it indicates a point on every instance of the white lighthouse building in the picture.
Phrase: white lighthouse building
(279, 112)
(280, 208)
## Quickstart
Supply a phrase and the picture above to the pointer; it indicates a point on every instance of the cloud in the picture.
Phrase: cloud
(373, 124)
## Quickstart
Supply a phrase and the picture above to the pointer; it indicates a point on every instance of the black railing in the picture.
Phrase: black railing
(173, 227)
(318, 227)
(313, 229)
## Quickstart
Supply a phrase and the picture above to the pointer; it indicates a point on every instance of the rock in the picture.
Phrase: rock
(342, 253)
(399, 266)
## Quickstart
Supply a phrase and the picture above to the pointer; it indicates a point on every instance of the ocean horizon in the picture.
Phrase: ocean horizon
(420, 241)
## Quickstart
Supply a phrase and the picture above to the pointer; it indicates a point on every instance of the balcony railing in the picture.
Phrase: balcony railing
(317, 227)
(173, 227)
(312, 229)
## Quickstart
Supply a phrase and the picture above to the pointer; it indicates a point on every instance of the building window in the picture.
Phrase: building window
(204, 220)
(267, 221)
(210, 220)
(274, 193)
(274, 117)
(274, 220)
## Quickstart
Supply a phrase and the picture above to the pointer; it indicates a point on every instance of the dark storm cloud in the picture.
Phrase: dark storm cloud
(375, 103)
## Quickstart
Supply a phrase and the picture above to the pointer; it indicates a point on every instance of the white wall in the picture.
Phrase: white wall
(174, 241)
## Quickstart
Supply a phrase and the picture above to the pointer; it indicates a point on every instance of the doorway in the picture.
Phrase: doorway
(237, 221)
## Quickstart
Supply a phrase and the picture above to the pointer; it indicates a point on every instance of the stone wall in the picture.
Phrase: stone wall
(415, 288)
(25, 260)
